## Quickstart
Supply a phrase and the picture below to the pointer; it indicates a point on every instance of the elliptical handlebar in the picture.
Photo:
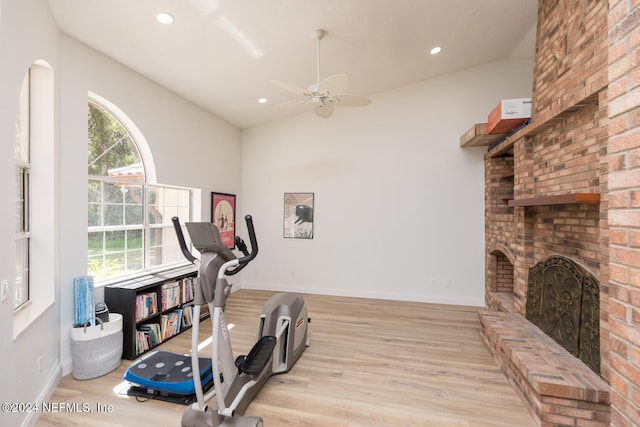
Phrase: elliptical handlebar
(242, 262)
(183, 245)
(254, 242)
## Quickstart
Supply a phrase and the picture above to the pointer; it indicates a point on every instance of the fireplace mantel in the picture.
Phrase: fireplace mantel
(557, 199)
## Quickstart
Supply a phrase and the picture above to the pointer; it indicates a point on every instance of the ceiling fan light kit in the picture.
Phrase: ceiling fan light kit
(325, 94)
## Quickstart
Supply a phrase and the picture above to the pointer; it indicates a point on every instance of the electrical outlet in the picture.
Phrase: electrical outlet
(447, 283)
(4, 289)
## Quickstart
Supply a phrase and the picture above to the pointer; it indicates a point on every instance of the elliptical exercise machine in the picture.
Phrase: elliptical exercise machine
(281, 336)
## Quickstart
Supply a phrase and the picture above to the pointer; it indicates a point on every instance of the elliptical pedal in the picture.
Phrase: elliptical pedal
(258, 356)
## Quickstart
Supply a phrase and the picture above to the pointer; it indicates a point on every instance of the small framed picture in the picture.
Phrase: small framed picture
(298, 215)
(223, 215)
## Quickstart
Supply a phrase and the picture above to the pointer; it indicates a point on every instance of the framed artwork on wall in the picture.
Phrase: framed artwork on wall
(223, 215)
(298, 215)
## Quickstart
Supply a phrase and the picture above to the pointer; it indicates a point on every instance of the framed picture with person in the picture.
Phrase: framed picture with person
(223, 215)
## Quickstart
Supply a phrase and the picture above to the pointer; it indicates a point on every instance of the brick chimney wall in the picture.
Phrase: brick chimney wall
(624, 211)
(571, 53)
(562, 151)
(566, 150)
(584, 137)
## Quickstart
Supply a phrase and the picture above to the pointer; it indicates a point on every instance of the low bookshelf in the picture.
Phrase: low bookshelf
(154, 308)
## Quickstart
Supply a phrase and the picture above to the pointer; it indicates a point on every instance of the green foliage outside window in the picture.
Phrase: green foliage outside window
(110, 145)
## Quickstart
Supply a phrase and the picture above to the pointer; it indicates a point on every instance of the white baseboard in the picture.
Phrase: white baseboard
(472, 302)
(67, 367)
(45, 395)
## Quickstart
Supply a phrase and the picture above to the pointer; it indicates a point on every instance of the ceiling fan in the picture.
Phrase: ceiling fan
(326, 93)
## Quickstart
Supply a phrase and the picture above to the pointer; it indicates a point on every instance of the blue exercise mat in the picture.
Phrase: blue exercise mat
(167, 372)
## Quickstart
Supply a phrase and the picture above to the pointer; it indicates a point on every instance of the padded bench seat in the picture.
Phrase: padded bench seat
(557, 387)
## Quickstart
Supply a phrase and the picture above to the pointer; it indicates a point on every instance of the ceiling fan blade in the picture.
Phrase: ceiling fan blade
(291, 88)
(334, 85)
(291, 103)
(323, 109)
(346, 100)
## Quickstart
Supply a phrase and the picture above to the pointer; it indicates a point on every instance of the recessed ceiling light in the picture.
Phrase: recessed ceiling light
(435, 50)
(262, 100)
(164, 18)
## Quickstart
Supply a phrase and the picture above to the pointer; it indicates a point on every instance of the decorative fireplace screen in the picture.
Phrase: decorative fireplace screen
(563, 300)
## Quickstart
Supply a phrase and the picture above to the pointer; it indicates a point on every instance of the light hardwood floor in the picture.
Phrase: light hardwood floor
(371, 363)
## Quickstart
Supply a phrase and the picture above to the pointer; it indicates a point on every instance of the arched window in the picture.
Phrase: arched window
(130, 229)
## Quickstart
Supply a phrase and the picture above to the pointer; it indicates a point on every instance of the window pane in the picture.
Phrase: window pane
(22, 273)
(155, 215)
(153, 195)
(184, 198)
(113, 193)
(114, 264)
(155, 208)
(95, 266)
(22, 182)
(133, 194)
(114, 241)
(133, 215)
(184, 212)
(164, 247)
(170, 197)
(22, 123)
(113, 215)
(19, 224)
(157, 249)
(96, 243)
(134, 239)
(112, 152)
(95, 219)
(134, 260)
(95, 191)
(170, 212)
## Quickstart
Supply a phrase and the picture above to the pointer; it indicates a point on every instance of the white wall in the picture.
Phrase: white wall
(399, 206)
(27, 34)
(187, 143)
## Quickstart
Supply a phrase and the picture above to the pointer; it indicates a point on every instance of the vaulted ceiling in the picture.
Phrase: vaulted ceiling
(223, 54)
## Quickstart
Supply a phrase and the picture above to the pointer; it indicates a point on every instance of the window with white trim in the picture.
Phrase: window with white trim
(23, 167)
(130, 228)
(36, 213)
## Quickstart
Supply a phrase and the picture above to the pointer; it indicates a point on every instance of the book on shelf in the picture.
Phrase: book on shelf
(147, 336)
(171, 295)
(170, 323)
(187, 316)
(188, 288)
(142, 343)
(146, 305)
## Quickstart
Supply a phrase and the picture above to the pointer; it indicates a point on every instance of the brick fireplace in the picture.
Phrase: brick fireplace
(547, 198)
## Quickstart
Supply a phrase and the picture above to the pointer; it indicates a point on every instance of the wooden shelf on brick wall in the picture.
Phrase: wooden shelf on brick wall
(478, 136)
(557, 199)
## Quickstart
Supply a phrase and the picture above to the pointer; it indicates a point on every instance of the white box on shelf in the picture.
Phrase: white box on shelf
(509, 114)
